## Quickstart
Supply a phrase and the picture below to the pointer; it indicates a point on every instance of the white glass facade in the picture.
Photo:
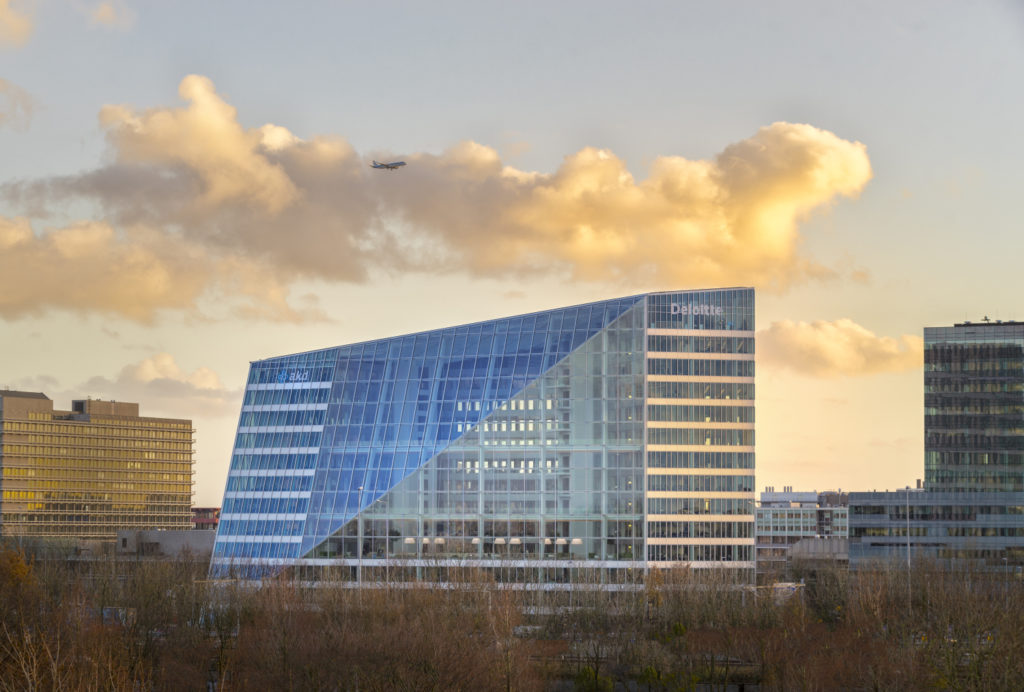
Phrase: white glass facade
(589, 442)
(700, 428)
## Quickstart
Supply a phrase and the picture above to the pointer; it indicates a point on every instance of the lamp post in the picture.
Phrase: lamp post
(1006, 583)
(910, 606)
(359, 538)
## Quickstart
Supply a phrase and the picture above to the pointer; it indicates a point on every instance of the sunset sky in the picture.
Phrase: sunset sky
(185, 188)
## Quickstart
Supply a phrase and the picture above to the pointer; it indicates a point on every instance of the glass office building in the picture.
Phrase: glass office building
(586, 443)
(974, 407)
(971, 512)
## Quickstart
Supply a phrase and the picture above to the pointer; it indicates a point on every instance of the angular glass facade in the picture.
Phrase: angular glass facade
(604, 436)
(974, 407)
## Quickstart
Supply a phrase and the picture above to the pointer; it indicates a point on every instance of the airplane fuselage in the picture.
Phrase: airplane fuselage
(389, 165)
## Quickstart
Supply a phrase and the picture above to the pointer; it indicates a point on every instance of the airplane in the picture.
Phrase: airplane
(391, 166)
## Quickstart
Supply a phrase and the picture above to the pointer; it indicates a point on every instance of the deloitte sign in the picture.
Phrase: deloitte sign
(680, 309)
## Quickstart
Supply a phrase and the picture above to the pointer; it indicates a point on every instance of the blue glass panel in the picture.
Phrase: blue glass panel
(413, 403)
(406, 399)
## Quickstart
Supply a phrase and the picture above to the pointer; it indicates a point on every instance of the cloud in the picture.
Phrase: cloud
(112, 14)
(731, 220)
(157, 384)
(257, 209)
(134, 273)
(35, 383)
(15, 105)
(164, 389)
(206, 139)
(832, 349)
(15, 26)
(163, 367)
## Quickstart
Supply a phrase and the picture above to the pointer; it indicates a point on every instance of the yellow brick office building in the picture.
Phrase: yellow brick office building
(91, 471)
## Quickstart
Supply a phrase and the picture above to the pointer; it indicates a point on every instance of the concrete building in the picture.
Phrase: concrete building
(89, 472)
(165, 545)
(787, 518)
(591, 442)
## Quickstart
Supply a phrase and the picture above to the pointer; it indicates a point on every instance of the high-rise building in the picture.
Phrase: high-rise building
(971, 511)
(92, 471)
(974, 407)
(589, 442)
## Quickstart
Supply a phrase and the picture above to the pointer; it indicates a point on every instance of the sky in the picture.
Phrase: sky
(185, 188)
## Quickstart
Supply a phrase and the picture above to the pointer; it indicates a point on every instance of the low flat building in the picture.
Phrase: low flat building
(87, 473)
(205, 518)
(166, 544)
(955, 529)
(784, 519)
(816, 553)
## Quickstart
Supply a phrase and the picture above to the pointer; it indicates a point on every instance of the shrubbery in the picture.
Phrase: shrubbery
(110, 625)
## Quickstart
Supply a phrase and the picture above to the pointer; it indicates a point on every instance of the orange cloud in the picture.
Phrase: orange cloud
(731, 220)
(205, 138)
(158, 383)
(263, 205)
(166, 389)
(162, 366)
(112, 14)
(15, 26)
(135, 274)
(832, 349)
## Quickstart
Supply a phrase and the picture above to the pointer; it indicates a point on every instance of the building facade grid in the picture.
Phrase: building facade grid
(616, 434)
(91, 471)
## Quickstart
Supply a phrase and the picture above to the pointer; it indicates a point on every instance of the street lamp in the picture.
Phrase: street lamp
(910, 605)
(1006, 583)
(359, 538)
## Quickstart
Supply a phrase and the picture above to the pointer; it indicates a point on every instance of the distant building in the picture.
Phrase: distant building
(92, 471)
(165, 545)
(205, 517)
(983, 530)
(785, 519)
(971, 509)
(974, 407)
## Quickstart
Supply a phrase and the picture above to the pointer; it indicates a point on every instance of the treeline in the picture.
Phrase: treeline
(109, 625)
